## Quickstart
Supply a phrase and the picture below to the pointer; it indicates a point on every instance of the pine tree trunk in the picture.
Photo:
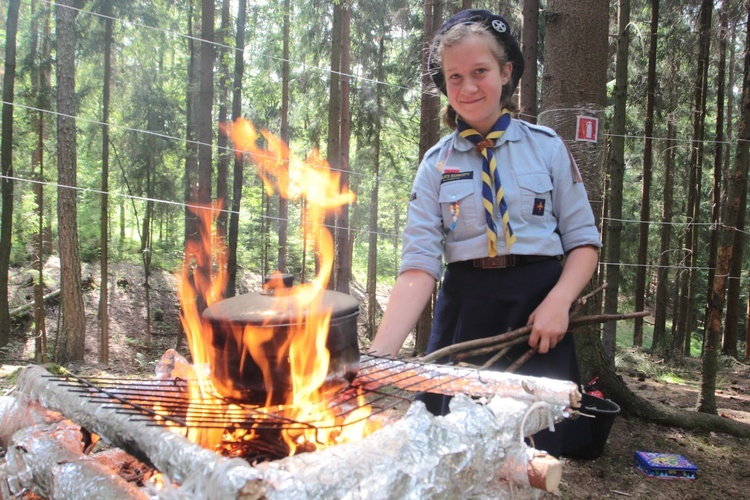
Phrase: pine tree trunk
(6, 222)
(734, 288)
(643, 230)
(71, 337)
(660, 343)
(237, 173)
(40, 77)
(334, 120)
(575, 76)
(373, 309)
(530, 49)
(223, 155)
(616, 163)
(204, 119)
(738, 179)
(429, 127)
(284, 133)
(104, 209)
(343, 233)
(687, 320)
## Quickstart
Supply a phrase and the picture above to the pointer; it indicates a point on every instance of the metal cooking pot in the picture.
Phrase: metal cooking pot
(237, 375)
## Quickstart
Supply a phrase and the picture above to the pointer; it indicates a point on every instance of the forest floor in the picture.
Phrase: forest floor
(723, 461)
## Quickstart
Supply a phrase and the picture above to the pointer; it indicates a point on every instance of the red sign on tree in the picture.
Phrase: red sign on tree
(587, 128)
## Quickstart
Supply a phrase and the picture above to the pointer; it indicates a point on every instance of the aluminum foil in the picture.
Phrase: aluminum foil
(475, 451)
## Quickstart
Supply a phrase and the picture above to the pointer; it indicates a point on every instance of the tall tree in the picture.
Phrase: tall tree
(284, 133)
(731, 323)
(72, 335)
(204, 120)
(575, 76)
(372, 247)
(104, 212)
(690, 279)
(223, 155)
(237, 172)
(40, 76)
(659, 343)
(344, 237)
(429, 130)
(530, 49)
(6, 155)
(738, 179)
(333, 152)
(648, 162)
(616, 164)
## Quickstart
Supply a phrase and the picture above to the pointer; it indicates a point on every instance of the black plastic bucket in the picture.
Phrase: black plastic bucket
(603, 412)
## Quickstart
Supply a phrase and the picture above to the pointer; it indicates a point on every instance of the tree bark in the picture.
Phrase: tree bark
(530, 49)
(648, 161)
(104, 209)
(71, 337)
(284, 133)
(574, 83)
(732, 320)
(6, 158)
(660, 342)
(223, 155)
(41, 79)
(343, 233)
(616, 164)
(204, 120)
(373, 309)
(237, 173)
(686, 317)
(738, 179)
(333, 150)
(429, 129)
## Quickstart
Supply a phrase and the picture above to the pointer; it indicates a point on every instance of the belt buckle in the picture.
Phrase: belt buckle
(497, 262)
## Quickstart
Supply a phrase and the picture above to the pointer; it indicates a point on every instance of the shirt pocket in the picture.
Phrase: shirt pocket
(536, 197)
(457, 204)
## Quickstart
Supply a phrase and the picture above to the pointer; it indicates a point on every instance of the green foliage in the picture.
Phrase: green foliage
(148, 126)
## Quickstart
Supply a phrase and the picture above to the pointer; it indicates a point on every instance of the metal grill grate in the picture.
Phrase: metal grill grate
(383, 384)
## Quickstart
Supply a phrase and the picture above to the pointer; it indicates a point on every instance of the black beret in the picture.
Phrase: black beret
(496, 25)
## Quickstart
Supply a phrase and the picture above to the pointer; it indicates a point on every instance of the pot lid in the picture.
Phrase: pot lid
(275, 309)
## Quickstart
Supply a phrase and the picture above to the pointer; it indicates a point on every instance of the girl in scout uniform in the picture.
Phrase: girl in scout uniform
(501, 201)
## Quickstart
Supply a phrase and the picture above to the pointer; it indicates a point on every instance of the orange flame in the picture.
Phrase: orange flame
(204, 279)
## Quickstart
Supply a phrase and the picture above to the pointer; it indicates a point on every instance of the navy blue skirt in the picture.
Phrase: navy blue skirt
(476, 303)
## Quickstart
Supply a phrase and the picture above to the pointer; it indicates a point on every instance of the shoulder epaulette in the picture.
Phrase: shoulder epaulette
(538, 128)
(438, 145)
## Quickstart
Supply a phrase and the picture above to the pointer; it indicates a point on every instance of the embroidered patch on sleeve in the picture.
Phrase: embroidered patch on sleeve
(574, 167)
(539, 206)
(412, 196)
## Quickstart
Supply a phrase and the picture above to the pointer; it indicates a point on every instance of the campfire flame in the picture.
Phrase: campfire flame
(204, 278)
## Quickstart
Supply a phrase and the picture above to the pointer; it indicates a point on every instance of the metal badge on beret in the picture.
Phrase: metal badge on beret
(496, 25)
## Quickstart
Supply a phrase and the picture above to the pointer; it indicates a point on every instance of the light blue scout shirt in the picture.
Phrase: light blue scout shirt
(549, 210)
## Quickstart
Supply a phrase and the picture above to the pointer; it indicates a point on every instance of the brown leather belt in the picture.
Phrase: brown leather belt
(503, 261)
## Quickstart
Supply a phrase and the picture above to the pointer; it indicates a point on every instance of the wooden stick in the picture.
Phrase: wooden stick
(524, 330)
(521, 360)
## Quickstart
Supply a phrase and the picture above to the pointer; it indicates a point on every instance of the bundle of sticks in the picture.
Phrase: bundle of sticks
(499, 345)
